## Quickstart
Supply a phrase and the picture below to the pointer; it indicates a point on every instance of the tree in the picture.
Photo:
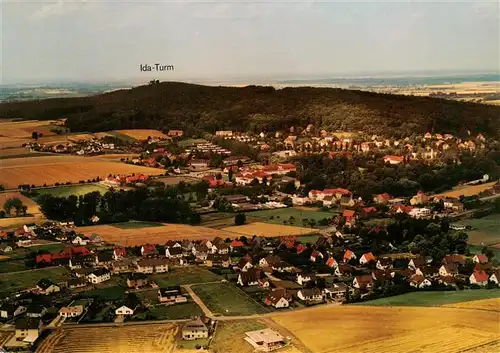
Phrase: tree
(240, 219)
(13, 203)
(34, 135)
(230, 174)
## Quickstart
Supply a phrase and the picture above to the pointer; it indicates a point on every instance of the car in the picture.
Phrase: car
(223, 280)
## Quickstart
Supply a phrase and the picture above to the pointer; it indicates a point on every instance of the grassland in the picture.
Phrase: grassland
(184, 275)
(227, 299)
(485, 230)
(150, 338)
(434, 298)
(484, 304)
(269, 230)
(136, 224)
(11, 265)
(110, 293)
(478, 249)
(277, 216)
(13, 282)
(467, 190)
(388, 329)
(229, 336)
(174, 180)
(78, 190)
(176, 312)
(154, 235)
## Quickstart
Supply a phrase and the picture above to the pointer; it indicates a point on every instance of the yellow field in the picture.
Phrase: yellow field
(21, 129)
(467, 190)
(32, 205)
(142, 134)
(269, 230)
(51, 169)
(153, 235)
(483, 304)
(329, 329)
(154, 338)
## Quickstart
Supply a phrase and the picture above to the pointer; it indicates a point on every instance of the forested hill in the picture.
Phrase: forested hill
(197, 108)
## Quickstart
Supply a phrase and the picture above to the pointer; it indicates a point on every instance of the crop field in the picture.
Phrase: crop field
(222, 220)
(184, 275)
(269, 230)
(485, 230)
(142, 134)
(277, 216)
(470, 190)
(32, 205)
(389, 329)
(484, 304)
(150, 338)
(136, 224)
(434, 298)
(227, 299)
(153, 235)
(16, 281)
(65, 191)
(23, 129)
(53, 169)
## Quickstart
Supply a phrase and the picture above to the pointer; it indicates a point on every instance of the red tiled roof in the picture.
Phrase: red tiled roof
(482, 258)
(236, 244)
(300, 248)
(369, 256)
(369, 209)
(348, 255)
(480, 276)
(331, 262)
(348, 213)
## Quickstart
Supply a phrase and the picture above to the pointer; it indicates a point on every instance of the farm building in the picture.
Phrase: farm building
(265, 340)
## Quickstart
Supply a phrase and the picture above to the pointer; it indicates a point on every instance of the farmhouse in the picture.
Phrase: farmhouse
(98, 276)
(171, 295)
(71, 311)
(194, 329)
(152, 266)
(265, 340)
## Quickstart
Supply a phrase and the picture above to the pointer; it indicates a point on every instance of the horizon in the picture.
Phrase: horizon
(241, 41)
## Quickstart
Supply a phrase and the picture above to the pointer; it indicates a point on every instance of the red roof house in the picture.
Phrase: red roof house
(300, 248)
(348, 255)
(366, 258)
(331, 262)
(236, 244)
(148, 249)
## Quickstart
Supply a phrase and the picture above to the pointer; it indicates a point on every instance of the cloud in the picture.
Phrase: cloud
(57, 8)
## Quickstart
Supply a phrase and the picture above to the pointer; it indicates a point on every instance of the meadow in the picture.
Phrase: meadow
(78, 190)
(485, 230)
(13, 282)
(229, 336)
(269, 230)
(277, 216)
(470, 190)
(184, 275)
(176, 312)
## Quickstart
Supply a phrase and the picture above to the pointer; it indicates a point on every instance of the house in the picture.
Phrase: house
(419, 281)
(152, 265)
(336, 291)
(99, 275)
(315, 255)
(27, 330)
(486, 267)
(479, 277)
(80, 240)
(171, 295)
(250, 277)
(119, 253)
(480, 258)
(148, 250)
(384, 263)
(450, 269)
(45, 286)
(331, 262)
(265, 340)
(349, 215)
(201, 251)
(420, 212)
(199, 163)
(455, 259)
(71, 311)
(393, 159)
(363, 282)
(5, 248)
(175, 133)
(348, 255)
(8, 311)
(382, 199)
(495, 277)
(77, 283)
(278, 299)
(282, 266)
(218, 260)
(427, 271)
(236, 244)
(221, 248)
(448, 281)
(174, 252)
(303, 278)
(416, 262)
(122, 266)
(137, 280)
(245, 264)
(194, 330)
(366, 258)
(419, 199)
(269, 261)
(35, 310)
(310, 295)
(128, 306)
(76, 262)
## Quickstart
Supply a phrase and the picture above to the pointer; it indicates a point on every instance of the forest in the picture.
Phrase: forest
(197, 109)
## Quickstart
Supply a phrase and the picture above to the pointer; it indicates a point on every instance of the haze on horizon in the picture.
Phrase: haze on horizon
(107, 40)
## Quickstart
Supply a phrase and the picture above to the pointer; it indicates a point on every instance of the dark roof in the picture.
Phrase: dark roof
(131, 301)
(218, 257)
(44, 283)
(9, 308)
(152, 262)
(100, 272)
(35, 308)
(309, 292)
(76, 281)
(136, 276)
(27, 323)
(105, 257)
(252, 275)
(175, 251)
(165, 291)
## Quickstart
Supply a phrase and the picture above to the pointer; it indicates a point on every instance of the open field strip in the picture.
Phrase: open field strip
(19, 129)
(49, 170)
(33, 208)
(78, 190)
(484, 304)
(485, 230)
(153, 235)
(142, 134)
(389, 329)
(269, 230)
(470, 190)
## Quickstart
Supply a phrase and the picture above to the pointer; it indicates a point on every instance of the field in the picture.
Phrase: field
(65, 191)
(478, 249)
(150, 338)
(174, 180)
(176, 312)
(49, 170)
(467, 190)
(32, 205)
(110, 293)
(136, 224)
(142, 134)
(269, 230)
(222, 220)
(12, 282)
(434, 298)
(229, 336)
(485, 304)
(387, 329)
(23, 129)
(283, 214)
(227, 299)
(485, 230)
(153, 235)
(184, 275)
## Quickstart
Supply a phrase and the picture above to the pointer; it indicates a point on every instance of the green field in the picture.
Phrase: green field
(485, 230)
(229, 336)
(48, 247)
(11, 266)
(277, 216)
(110, 293)
(190, 142)
(308, 239)
(26, 155)
(175, 312)
(13, 282)
(434, 298)
(136, 224)
(78, 190)
(477, 249)
(184, 275)
(227, 299)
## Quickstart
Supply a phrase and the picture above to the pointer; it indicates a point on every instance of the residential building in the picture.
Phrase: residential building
(128, 306)
(479, 277)
(348, 256)
(8, 311)
(194, 330)
(99, 275)
(77, 283)
(335, 291)
(137, 280)
(419, 199)
(171, 295)
(218, 260)
(71, 311)
(27, 330)
(419, 281)
(450, 269)
(5, 248)
(393, 159)
(310, 295)
(366, 258)
(250, 277)
(278, 299)
(245, 264)
(495, 277)
(35, 310)
(122, 266)
(174, 252)
(303, 278)
(480, 258)
(363, 282)
(157, 265)
(149, 250)
(119, 253)
(45, 286)
(266, 340)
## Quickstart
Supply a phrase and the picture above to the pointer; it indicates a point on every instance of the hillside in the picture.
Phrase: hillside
(204, 108)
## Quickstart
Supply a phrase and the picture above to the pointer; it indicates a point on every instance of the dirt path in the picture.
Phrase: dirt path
(198, 301)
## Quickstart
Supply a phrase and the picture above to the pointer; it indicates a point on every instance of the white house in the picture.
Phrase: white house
(174, 252)
(419, 212)
(124, 310)
(98, 276)
(71, 311)
(303, 278)
(418, 281)
(310, 294)
(244, 264)
(152, 266)
(495, 277)
(450, 269)
(277, 299)
(480, 258)
(79, 240)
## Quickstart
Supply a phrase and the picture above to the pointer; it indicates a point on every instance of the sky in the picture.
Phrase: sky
(106, 41)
